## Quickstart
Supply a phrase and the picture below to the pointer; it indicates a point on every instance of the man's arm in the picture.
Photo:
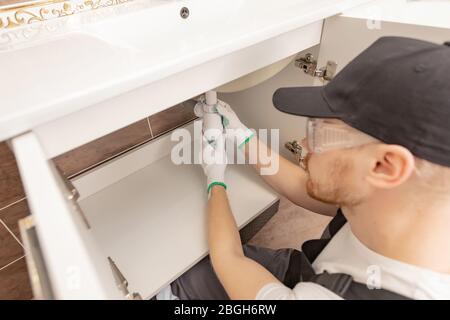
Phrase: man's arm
(289, 180)
(241, 277)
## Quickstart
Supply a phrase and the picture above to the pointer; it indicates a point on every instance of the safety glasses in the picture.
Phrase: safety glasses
(323, 135)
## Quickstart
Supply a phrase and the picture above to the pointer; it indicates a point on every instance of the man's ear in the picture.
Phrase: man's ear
(391, 166)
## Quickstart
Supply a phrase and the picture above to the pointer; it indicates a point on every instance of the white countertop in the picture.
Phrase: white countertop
(70, 63)
(432, 13)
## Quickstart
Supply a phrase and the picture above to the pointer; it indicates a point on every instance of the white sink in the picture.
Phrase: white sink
(211, 25)
(100, 55)
(162, 31)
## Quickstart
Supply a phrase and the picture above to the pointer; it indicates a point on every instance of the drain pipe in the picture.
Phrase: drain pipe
(211, 98)
(211, 118)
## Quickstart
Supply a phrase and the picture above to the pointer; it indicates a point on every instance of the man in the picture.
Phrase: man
(378, 142)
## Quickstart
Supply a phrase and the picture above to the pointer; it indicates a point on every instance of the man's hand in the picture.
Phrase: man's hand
(214, 161)
(234, 128)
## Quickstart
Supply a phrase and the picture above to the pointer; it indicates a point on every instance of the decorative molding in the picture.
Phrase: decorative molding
(26, 13)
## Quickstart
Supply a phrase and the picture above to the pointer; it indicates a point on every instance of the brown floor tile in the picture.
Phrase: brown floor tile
(290, 227)
(10, 248)
(95, 152)
(172, 117)
(10, 185)
(11, 216)
(14, 282)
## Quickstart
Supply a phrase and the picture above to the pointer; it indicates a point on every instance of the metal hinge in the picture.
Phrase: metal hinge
(294, 147)
(122, 282)
(73, 195)
(298, 151)
(309, 65)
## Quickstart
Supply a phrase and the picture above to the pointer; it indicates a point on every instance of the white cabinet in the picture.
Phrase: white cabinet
(144, 212)
(72, 257)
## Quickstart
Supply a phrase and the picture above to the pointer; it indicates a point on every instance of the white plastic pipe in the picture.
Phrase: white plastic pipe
(212, 121)
(211, 98)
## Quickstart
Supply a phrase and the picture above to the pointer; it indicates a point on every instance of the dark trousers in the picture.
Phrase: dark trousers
(201, 283)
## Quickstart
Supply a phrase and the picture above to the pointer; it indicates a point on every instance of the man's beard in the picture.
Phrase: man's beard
(315, 193)
(334, 190)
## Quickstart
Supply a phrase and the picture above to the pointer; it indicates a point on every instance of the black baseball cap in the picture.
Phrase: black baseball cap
(397, 90)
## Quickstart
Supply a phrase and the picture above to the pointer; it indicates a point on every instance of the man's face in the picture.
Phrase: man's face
(335, 176)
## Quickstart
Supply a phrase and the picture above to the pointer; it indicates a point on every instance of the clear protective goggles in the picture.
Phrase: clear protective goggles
(323, 135)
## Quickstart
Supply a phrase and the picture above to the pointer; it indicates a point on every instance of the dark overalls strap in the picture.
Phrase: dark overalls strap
(300, 270)
(312, 248)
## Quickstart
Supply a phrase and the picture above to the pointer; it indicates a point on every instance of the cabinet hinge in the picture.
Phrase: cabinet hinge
(309, 65)
(295, 148)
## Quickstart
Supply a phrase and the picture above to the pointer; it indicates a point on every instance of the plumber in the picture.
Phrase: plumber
(378, 162)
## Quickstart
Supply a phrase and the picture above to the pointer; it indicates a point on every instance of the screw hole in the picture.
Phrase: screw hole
(184, 12)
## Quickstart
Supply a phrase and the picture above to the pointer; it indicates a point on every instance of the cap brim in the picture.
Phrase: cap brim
(303, 101)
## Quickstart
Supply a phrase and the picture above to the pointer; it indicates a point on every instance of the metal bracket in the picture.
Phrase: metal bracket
(72, 196)
(309, 65)
(297, 150)
(37, 270)
(122, 282)
(294, 147)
